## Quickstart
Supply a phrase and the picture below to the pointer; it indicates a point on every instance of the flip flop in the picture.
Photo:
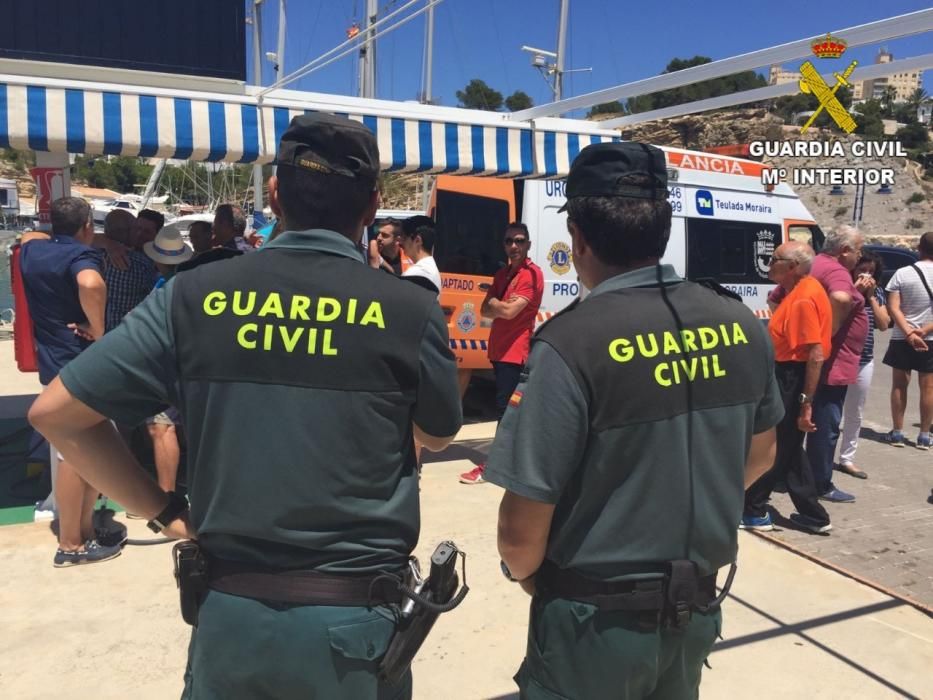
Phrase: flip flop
(851, 470)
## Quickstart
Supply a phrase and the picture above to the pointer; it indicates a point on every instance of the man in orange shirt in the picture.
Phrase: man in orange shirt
(801, 330)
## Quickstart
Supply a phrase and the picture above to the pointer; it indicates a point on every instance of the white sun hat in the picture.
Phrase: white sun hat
(168, 248)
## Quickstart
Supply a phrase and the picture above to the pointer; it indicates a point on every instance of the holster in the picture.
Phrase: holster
(413, 628)
(668, 597)
(191, 576)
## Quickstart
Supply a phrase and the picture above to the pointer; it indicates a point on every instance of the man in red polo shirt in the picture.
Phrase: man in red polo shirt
(512, 302)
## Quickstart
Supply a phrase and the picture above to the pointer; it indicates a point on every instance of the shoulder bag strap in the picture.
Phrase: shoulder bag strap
(924, 280)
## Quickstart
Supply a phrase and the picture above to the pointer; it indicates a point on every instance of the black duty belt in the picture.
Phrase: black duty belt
(642, 595)
(301, 587)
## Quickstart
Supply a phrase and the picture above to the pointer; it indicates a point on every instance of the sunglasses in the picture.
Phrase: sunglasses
(516, 241)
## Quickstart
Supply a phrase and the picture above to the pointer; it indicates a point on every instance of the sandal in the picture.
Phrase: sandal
(851, 470)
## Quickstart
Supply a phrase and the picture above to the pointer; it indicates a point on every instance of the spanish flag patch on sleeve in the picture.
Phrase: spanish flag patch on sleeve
(515, 399)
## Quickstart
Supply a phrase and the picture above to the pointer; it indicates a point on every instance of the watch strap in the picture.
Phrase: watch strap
(177, 504)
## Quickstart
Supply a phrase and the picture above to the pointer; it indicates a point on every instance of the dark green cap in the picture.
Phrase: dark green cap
(330, 145)
(599, 171)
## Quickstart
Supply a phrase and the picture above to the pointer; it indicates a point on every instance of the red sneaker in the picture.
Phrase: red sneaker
(474, 476)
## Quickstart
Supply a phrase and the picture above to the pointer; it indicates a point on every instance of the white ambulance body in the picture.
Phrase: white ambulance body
(725, 226)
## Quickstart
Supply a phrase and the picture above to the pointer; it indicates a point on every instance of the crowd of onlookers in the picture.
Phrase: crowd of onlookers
(80, 286)
(826, 309)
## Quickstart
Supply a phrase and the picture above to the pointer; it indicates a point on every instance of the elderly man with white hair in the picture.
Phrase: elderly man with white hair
(832, 268)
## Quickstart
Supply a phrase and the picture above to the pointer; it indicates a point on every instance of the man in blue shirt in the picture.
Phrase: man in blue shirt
(67, 297)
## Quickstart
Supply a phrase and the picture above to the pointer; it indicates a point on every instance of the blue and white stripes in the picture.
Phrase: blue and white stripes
(218, 127)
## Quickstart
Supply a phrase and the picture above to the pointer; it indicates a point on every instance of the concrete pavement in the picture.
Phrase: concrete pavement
(792, 628)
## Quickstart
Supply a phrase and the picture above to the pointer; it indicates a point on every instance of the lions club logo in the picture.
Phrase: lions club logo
(466, 321)
(560, 257)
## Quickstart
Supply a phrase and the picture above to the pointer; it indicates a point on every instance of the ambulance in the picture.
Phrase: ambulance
(726, 224)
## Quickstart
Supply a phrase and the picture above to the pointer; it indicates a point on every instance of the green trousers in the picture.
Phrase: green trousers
(249, 649)
(578, 652)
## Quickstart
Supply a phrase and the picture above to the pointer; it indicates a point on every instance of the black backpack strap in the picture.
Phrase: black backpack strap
(924, 280)
(714, 286)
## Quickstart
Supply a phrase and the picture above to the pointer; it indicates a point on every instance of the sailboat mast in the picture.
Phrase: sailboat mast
(368, 52)
(561, 48)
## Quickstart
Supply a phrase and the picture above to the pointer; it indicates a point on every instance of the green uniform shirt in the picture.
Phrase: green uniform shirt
(293, 474)
(621, 483)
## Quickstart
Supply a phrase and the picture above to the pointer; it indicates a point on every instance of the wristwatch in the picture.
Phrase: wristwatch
(507, 573)
(803, 398)
(177, 504)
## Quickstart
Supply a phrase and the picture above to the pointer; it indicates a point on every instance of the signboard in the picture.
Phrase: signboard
(202, 38)
(50, 185)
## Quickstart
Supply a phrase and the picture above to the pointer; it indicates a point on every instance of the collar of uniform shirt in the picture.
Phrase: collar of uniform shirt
(642, 277)
(319, 239)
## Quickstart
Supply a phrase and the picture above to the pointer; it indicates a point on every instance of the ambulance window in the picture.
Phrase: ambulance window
(811, 235)
(730, 252)
(469, 233)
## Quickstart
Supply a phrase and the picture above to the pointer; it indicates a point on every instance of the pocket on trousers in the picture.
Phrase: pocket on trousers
(363, 640)
(532, 689)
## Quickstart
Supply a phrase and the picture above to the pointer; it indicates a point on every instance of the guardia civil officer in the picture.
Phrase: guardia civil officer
(297, 510)
(644, 411)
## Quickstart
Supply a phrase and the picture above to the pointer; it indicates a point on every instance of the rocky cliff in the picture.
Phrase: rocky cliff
(896, 218)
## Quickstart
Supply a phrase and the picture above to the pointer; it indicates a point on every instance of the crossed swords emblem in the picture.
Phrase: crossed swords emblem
(812, 82)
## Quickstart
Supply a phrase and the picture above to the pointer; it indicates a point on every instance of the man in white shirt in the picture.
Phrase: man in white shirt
(910, 303)
(417, 241)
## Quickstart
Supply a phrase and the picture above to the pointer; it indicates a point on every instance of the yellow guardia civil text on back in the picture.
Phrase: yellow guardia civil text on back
(263, 333)
(676, 368)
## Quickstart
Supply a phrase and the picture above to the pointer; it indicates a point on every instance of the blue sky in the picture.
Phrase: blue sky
(621, 41)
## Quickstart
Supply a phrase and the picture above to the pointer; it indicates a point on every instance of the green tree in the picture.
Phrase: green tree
(478, 95)
(518, 100)
(606, 108)
(888, 96)
(868, 119)
(715, 87)
(639, 103)
(913, 136)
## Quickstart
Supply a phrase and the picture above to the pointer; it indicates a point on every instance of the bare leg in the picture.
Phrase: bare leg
(463, 380)
(167, 454)
(900, 379)
(71, 495)
(926, 400)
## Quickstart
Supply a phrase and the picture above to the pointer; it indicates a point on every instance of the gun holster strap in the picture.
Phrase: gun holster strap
(300, 587)
(636, 595)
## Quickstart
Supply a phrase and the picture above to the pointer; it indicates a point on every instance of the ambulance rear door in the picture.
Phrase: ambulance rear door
(730, 236)
(550, 244)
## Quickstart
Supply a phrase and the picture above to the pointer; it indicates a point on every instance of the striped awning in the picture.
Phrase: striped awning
(100, 119)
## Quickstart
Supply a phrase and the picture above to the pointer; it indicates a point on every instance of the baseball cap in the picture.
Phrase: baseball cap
(330, 145)
(599, 169)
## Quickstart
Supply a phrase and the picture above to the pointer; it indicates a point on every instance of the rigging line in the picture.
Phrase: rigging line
(309, 35)
(352, 43)
(307, 71)
(505, 67)
(453, 37)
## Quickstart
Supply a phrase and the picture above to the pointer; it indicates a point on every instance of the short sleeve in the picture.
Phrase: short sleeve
(438, 410)
(837, 280)
(542, 437)
(802, 323)
(89, 259)
(770, 409)
(524, 286)
(129, 374)
(894, 284)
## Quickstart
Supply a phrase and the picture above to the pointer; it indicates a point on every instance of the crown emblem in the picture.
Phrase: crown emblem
(828, 47)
